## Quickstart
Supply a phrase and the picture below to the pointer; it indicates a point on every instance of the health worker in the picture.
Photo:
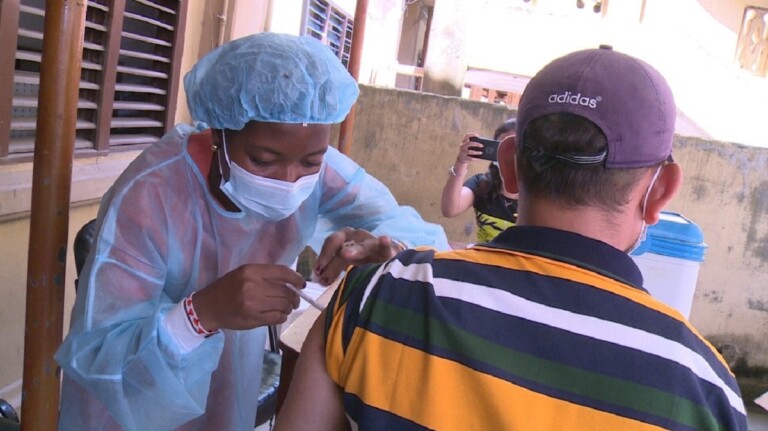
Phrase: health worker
(196, 239)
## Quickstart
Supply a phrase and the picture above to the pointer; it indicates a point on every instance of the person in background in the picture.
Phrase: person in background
(495, 208)
(196, 240)
(548, 326)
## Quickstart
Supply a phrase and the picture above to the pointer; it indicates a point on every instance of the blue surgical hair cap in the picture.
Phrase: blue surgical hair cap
(269, 77)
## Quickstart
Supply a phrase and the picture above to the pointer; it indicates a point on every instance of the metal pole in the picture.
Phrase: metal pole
(358, 35)
(49, 222)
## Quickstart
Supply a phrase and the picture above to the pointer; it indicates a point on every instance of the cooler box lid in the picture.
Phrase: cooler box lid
(675, 236)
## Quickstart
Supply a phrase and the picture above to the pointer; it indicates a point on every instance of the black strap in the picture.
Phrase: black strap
(542, 159)
(272, 331)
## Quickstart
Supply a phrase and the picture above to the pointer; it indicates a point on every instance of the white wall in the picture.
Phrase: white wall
(382, 40)
(692, 45)
(286, 16)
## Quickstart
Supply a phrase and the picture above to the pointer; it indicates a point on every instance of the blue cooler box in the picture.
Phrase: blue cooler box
(669, 259)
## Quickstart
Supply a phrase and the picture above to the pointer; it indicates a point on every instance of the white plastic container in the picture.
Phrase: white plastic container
(669, 259)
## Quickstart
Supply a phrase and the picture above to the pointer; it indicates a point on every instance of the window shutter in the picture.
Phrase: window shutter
(95, 44)
(26, 79)
(340, 35)
(328, 23)
(129, 79)
(26, 82)
(143, 74)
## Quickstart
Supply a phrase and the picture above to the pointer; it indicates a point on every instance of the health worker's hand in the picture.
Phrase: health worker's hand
(247, 297)
(350, 246)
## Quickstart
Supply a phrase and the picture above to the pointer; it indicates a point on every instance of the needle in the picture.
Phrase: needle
(305, 296)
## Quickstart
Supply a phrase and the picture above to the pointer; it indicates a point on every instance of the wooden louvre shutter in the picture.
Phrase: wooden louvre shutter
(329, 24)
(129, 79)
(26, 77)
(94, 68)
(147, 73)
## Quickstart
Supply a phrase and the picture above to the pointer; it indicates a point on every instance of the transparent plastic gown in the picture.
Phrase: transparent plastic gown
(161, 236)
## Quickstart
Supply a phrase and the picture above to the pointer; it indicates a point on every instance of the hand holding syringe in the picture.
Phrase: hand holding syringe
(303, 295)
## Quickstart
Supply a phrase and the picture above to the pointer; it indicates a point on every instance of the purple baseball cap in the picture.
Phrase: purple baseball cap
(625, 97)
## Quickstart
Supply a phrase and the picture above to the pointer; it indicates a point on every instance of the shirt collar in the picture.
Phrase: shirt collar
(572, 248)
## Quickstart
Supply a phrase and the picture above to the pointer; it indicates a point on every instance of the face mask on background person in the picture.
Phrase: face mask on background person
(272, 199)
(644, 229)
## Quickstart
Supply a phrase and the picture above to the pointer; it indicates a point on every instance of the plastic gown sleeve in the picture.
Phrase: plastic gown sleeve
(361, 201)
(117, 347)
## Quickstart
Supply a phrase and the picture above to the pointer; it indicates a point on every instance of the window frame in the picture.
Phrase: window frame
(97, 116)
(326, 11)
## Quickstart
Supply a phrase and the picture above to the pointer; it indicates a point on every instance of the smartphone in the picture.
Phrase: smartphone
(490, 148)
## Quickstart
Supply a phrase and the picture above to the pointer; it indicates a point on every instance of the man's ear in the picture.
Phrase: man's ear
(508, 164)
(664, 189)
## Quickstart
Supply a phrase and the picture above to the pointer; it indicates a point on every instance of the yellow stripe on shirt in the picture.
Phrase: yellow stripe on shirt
(390, 376)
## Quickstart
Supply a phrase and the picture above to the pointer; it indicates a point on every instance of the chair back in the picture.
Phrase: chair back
(9, 419)
(82, 246)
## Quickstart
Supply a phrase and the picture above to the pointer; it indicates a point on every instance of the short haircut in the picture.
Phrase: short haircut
(568, 184)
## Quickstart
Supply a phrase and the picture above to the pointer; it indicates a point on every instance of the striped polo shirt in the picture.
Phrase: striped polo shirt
(539, 329)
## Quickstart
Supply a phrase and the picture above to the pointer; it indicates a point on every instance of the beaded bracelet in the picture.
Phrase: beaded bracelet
(193, 320)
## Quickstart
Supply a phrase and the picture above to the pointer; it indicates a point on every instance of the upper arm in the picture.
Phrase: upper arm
(455, 200)
(466, 199)
(313, 400)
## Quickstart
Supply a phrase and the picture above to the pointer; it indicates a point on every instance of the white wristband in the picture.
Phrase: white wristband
(180, 330)
(452, 171)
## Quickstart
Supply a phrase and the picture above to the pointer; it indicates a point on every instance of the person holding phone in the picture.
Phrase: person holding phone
(495, 209)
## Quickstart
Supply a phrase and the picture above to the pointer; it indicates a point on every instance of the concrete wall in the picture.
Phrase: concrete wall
(411, 41)
(726, 193)
(450, 39)
(409, 139)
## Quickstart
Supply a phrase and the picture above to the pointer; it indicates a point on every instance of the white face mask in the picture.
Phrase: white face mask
(272, 199)
(644, 229)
